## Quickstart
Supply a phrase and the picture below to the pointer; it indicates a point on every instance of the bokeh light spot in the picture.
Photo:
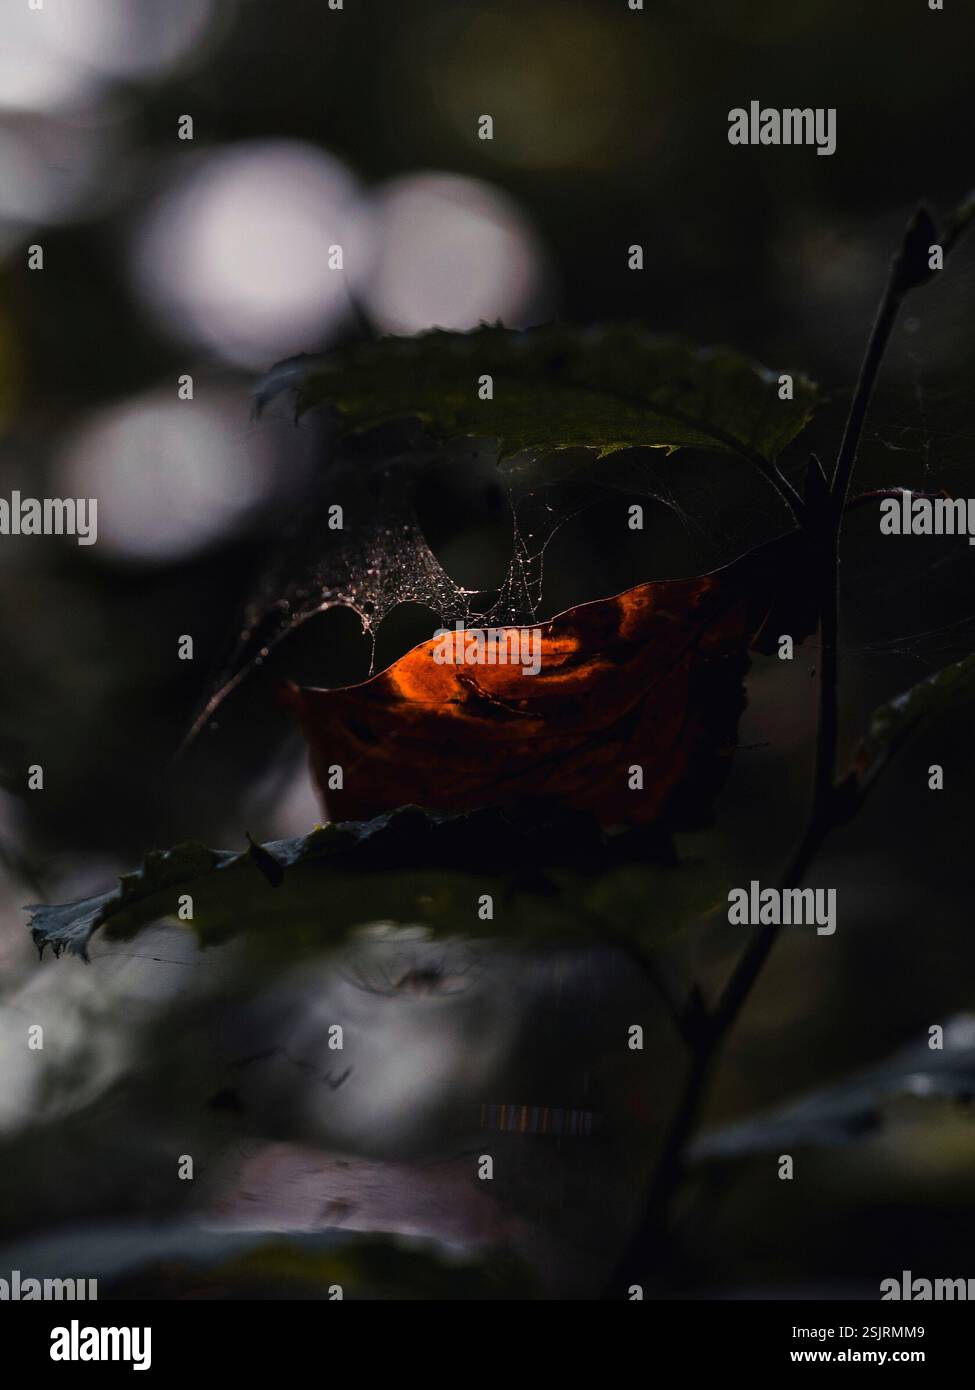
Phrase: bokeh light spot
(170, 476)
(451, 253)
(236, 254)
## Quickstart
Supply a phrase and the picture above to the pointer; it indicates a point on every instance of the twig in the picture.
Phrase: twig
(684, 1016)
(773, 475)
(823, 522)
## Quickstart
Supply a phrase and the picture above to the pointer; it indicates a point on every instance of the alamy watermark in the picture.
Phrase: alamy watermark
(912, 1290)
(907, 515)
(50, 516)
(791, 126)
(492, 646)
(756, 906)
(18, 1289)
(77, 1343)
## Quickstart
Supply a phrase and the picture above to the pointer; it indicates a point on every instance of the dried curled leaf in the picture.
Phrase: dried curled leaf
(650, 679)
(570, 412)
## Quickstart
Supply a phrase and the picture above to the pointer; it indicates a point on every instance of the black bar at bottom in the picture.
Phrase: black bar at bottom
(202, 1336)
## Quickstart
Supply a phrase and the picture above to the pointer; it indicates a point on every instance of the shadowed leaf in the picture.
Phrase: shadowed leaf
(846, 1111)
(187, 1261)
(895, 722)
(552, 876)
(554, 388)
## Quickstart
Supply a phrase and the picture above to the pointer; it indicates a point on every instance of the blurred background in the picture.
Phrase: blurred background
(209, 257)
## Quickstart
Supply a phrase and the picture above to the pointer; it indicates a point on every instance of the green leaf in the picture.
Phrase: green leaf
(894, 723)
(555, 388)
(846, 1111)
(379, 1266)
(551, 876)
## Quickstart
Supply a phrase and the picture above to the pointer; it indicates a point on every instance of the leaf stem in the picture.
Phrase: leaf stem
(789, 494)
(770, 472)
(883, 326)
(824, 523)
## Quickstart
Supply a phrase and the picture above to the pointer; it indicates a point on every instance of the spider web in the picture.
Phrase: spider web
(920, 434)
(381, 557)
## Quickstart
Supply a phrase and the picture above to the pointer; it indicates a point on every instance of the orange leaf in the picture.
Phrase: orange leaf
(651, 678)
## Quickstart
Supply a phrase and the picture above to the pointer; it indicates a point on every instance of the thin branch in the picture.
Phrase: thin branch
(683, 1016)
(824, 523)
(907, 270)
(876, 347)
(772, 474)
(770, 471)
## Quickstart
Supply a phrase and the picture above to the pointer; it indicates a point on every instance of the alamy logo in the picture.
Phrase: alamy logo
(907, 515)
(756, 906)
(17, 1289)
(926, 1290)
(492, 646)
(77, 1343)
(792, 126)
(50, 516)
